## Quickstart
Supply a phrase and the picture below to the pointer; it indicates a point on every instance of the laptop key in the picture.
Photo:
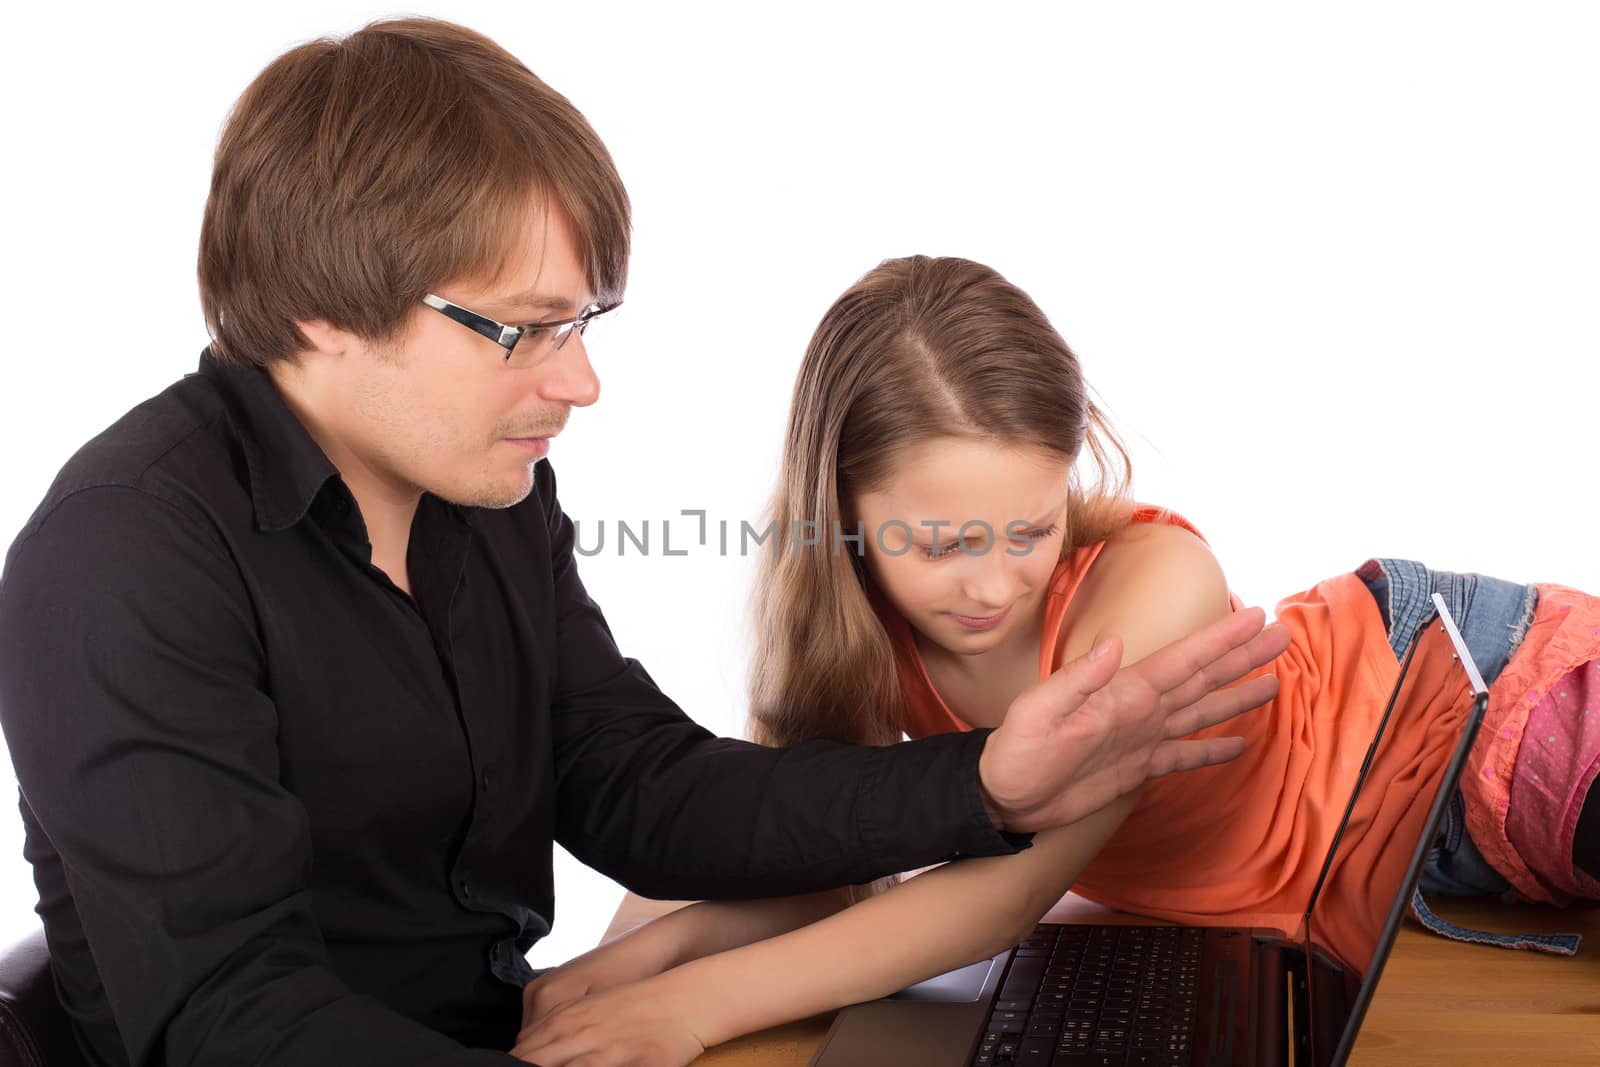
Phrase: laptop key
(1036, 1052)
(1103, 996)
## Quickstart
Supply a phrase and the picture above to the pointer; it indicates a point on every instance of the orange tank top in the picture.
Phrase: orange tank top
(1243, 842)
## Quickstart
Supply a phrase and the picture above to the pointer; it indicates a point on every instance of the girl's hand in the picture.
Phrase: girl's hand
(642, 954)
(652, 1023)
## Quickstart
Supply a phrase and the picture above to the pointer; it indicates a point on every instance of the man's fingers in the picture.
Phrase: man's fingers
(1171, 666)
(1172, 756)
(1182, 672)
(1073, 682)
(1228, 665)
(1221, 705)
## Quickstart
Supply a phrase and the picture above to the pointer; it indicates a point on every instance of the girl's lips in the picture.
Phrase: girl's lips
(983, 622)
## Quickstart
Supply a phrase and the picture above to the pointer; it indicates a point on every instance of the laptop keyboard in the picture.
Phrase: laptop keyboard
(1076, 996)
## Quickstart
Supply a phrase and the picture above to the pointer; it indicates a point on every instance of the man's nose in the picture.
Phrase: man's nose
(568, 377)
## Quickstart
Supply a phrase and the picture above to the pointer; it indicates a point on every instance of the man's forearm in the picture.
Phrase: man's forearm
(710, 818)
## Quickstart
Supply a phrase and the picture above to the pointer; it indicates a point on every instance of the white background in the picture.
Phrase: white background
(1334, 271)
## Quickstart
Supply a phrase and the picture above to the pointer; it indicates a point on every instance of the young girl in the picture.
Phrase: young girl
(936, 428)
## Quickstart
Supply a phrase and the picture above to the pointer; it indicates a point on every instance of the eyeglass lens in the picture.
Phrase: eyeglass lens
(534, 345)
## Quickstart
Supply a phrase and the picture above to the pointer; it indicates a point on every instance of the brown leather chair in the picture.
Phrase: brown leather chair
(34, 1029)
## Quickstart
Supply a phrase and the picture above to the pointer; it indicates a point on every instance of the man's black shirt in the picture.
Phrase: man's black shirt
(280, 812)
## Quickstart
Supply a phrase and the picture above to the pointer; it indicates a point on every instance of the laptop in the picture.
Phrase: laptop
(1074, 995)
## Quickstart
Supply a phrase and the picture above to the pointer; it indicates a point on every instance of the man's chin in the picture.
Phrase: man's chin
(494, 495)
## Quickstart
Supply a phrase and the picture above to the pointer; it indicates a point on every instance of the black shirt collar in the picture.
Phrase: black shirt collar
(287, 469)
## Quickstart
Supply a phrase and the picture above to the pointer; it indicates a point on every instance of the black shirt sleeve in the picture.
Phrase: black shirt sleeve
(657, 802)
(144, 744)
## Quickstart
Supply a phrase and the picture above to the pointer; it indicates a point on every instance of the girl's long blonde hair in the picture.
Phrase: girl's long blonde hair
(917, 349)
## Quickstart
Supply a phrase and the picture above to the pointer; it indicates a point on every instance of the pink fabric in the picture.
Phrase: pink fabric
(1564, 637)
(1556, 765)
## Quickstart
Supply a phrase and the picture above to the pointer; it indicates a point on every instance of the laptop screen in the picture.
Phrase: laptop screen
(1412, 771)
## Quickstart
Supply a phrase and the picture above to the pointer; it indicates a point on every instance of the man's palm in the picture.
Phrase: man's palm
(1091, 733)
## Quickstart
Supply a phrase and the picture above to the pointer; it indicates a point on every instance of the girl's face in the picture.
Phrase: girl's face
(964, 536)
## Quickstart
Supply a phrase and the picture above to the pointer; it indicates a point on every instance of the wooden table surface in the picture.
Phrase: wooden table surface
(1438, 1002)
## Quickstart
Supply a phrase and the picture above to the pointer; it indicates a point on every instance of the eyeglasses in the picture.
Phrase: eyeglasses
(524, 345)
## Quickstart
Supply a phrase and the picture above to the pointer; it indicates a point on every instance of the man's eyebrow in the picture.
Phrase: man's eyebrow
(532, 300)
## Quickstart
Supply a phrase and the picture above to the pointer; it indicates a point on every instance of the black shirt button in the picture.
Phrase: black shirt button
(485, 781)
(466, 889)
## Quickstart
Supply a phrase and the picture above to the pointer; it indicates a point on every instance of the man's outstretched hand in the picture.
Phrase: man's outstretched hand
(1090, 733)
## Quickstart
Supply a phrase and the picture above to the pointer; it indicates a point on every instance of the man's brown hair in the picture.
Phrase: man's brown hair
(355, 174)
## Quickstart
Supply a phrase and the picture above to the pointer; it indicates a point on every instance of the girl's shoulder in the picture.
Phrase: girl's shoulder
(1146, 581)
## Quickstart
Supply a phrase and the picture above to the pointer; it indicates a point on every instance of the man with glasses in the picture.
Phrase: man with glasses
(296, 668)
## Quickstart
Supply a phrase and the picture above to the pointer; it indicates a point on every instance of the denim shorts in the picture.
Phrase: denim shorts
(1493, 616)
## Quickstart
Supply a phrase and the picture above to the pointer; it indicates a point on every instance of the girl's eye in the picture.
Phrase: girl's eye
(941, 552)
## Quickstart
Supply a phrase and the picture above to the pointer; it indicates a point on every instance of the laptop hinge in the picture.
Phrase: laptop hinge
(1275, 974)
(1223, 1038)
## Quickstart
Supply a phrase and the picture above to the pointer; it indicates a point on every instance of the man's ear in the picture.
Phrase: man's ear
(325, 338)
